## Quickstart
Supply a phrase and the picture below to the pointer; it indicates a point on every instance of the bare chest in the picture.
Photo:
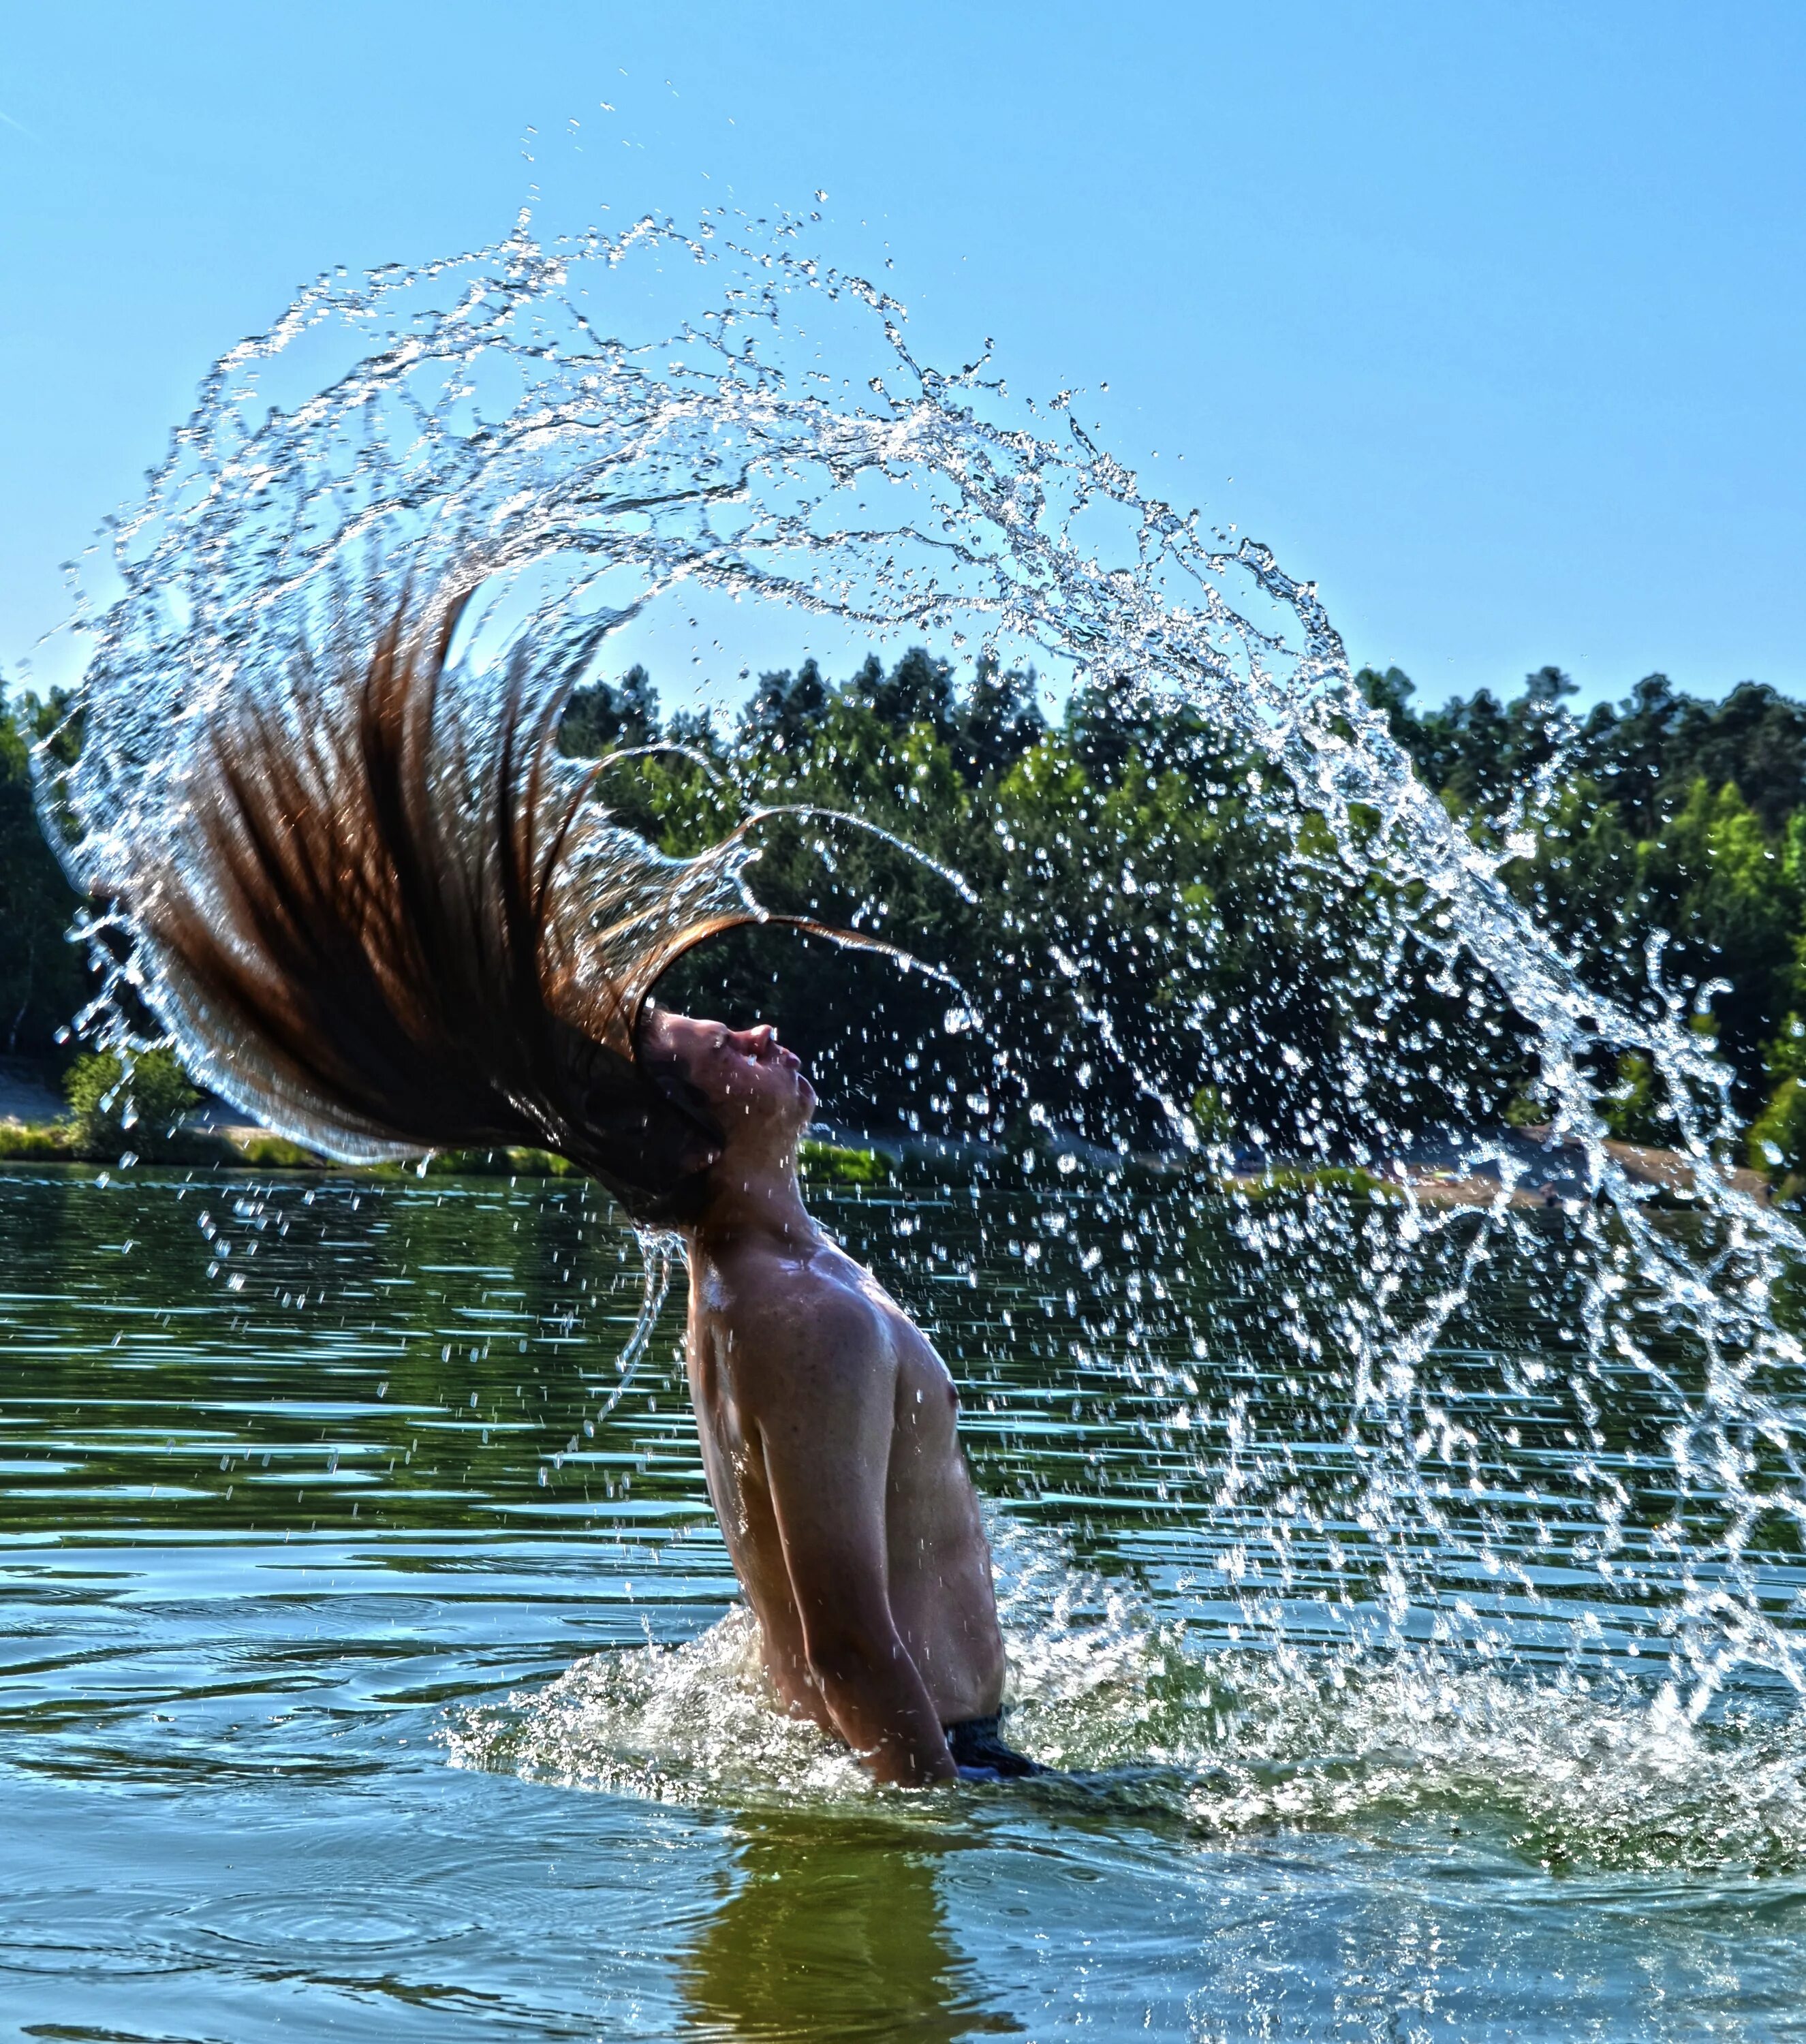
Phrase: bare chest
(722, 1358)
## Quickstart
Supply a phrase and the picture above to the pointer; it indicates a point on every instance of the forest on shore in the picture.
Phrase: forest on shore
(1133, 835)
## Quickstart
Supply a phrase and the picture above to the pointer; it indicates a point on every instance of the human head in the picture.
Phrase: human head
(744, 1081)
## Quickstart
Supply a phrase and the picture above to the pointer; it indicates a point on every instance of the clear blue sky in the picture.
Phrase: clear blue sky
(1494, 314)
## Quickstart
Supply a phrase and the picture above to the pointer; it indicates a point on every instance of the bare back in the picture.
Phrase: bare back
(829, 1428)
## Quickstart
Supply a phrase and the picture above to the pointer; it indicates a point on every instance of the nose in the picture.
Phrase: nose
(757, 1041)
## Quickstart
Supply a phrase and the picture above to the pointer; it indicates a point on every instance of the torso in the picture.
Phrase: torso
(941, 1596)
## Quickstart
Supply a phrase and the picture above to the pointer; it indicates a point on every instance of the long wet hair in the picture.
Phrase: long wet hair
(385, 930)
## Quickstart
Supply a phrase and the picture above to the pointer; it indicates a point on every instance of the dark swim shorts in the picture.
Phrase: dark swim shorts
(976, 1743)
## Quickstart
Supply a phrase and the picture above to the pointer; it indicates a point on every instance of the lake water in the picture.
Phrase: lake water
(360, 1682)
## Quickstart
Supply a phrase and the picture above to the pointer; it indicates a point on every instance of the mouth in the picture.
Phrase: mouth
(772, 1052)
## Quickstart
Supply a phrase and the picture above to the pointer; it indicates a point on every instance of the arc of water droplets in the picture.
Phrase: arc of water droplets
(482, 416)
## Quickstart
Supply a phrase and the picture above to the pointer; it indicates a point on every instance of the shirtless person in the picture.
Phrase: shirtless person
(394, 920)
(829, 1436)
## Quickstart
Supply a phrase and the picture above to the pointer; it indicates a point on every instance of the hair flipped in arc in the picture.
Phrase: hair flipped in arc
(384, 932)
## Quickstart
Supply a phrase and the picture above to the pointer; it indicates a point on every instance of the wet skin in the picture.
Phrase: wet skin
(829, 1430)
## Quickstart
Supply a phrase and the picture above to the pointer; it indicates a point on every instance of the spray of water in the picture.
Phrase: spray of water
(588, 426)
(1144, 1723)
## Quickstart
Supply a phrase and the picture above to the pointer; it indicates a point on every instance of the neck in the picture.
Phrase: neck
(754, 1200)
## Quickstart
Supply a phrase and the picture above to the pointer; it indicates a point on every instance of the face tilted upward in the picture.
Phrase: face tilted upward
(755, 1089)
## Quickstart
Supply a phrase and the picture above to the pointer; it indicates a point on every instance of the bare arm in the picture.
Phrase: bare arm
(826, 1413)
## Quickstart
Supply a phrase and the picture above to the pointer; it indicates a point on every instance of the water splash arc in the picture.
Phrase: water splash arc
(769, 434)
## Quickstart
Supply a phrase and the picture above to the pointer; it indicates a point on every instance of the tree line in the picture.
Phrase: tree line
(1144, 928)
(1662, 813)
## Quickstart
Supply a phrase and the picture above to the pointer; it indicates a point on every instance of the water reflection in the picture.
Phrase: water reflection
(834, 1930)
(274, 1551)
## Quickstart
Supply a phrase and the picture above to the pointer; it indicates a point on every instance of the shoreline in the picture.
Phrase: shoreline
(1552, 1174)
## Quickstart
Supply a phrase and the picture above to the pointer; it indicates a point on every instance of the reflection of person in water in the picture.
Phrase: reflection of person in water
(385, 928)
(832, 1929)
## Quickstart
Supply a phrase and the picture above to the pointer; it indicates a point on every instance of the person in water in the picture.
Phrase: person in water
(386, 915)
(830, 1439)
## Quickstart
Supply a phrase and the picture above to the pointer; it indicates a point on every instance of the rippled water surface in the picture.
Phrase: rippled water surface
(360, 1681)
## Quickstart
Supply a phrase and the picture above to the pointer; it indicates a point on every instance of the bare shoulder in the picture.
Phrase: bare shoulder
(797, 1324)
